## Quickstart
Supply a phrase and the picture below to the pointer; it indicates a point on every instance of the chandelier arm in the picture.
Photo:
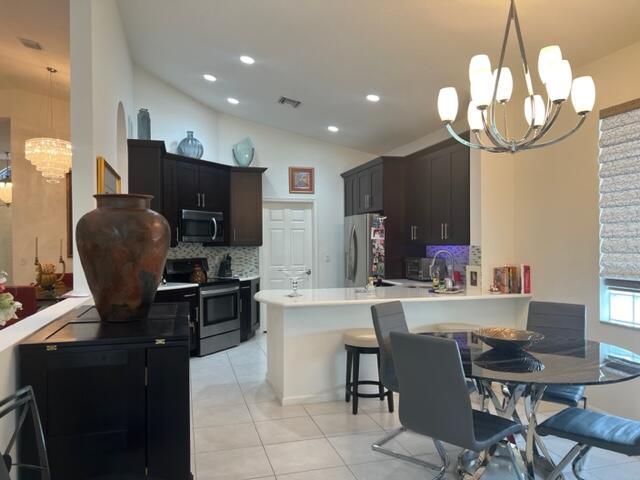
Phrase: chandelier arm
(494, 137)
(561, 137)
(484, 147)
(496, 131)
(523, 53)
(546, 127)
(477, 146)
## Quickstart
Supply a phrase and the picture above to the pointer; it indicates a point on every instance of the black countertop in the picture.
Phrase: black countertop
(166, 322)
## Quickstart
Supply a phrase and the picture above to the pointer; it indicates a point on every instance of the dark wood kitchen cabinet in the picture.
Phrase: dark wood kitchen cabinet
(113, 397)
(437, 196)
(190, 296)
(249, 309)
(181, 183)
(145, 173)
(245, 219)
(364, 188)
(378, 187)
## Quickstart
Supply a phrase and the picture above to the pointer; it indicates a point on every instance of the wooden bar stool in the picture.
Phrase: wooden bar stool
(361, 341)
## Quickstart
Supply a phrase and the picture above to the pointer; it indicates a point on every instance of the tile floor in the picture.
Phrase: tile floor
(240, 432)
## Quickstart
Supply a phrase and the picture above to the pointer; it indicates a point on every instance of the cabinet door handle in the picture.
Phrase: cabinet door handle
(442, 231)
(189, 295)
(198, 194)
(446, 231)
(411, 233)
(177, 234)
(204, 200)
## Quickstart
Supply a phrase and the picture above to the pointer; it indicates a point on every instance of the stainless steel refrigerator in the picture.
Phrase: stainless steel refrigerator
(363, 248)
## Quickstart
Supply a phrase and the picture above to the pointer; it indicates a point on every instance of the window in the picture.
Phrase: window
(620, 214)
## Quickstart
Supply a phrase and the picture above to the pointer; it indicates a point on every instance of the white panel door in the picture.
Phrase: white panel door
(288, 242)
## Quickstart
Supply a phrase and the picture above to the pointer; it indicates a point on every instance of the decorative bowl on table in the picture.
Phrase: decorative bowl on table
(503, 338)
(510, 361)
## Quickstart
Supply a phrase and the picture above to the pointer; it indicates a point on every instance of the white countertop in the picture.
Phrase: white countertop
(176, 286)
(250, 277)
(353, 296)
(406, 281)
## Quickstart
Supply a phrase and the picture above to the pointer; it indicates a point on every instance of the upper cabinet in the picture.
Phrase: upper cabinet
(246, 206)
(181, 183)
(437, 195)
(364, 188)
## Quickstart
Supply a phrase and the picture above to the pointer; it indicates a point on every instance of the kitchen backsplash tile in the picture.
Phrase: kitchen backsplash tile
(245, 261)
(463, 254)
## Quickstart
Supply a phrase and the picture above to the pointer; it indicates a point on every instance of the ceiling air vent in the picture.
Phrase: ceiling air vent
(289, 101)
(27, 42)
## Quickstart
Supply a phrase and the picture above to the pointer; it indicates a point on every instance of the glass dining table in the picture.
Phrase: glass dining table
(526, 374)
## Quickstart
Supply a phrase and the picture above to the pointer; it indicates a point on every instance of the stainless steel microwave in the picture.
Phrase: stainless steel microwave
(197, 226)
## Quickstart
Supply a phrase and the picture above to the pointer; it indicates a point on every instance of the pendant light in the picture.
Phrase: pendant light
(6, 187)
(50, 155)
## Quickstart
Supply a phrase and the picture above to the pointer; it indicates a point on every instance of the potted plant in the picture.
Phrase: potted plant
(8, 306)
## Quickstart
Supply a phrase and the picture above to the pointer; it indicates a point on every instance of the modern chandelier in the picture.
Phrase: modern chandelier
(51, 156)
(492, 89)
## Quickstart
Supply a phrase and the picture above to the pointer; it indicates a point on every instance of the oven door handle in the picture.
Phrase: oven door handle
(215, 228)
(221, 291)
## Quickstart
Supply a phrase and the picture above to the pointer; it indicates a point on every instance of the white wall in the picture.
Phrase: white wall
(277, 150)
(556, 226)
(102, 77)
(173, 113)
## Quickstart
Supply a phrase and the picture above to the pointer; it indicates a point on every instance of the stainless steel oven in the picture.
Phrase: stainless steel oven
(219, 309)
(202, 227)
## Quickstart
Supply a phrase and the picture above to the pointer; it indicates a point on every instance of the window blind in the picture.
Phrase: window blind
(620, 197)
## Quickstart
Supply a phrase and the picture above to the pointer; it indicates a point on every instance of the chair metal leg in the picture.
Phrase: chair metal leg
(380, 386)
(355, 382)
(557, 471)
(440, 469)
(347, 385)
(578, 462)
(480, 466)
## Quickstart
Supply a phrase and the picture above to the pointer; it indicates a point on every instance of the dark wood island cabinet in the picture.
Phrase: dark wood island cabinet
(113, 397)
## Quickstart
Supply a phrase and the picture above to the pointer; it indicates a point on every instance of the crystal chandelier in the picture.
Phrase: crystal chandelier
(51, 156)
(6, 187)
(492, 89)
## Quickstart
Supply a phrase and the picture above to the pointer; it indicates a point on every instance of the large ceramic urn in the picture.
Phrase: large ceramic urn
(123, 247)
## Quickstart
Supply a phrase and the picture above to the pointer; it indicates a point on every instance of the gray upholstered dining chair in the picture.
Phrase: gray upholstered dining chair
(562, 320)
(434, 399)
(590, 429)
(387, 318)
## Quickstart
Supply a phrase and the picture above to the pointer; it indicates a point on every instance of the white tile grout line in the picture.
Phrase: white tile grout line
(326, 437)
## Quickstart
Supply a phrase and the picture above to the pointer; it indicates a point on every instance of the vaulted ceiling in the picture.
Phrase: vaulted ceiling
(330, 53)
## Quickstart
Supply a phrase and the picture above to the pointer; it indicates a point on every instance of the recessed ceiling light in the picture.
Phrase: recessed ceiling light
(233, 101)
(333, 128)
(209, 78)
(373, 97)
(246, 59)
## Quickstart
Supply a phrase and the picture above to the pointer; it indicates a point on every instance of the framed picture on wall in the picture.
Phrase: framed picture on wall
(301, 180)
(108, 179)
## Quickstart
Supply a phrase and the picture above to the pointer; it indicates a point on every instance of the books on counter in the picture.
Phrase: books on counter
(512, 279)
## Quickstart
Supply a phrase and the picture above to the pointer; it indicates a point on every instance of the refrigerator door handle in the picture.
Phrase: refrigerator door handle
(354, 239)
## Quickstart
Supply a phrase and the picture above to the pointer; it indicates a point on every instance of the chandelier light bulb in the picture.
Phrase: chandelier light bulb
(538, 106)
(482, 88)
(559, 81)
(474, 117)
(477, 65)
(505, 86)
(548, 57)
(448, 104)
(6, 192)
(583, 95)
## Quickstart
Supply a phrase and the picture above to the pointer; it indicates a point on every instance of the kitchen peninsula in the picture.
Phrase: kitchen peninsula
(306, 356)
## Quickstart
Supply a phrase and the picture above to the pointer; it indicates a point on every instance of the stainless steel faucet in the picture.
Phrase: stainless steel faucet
(449, 271)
